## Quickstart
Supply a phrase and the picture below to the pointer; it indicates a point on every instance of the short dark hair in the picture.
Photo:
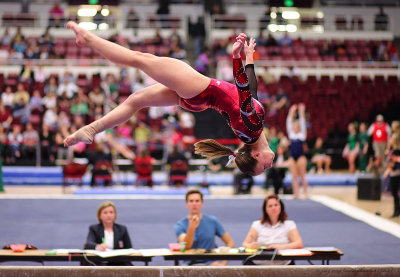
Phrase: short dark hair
(265, 218)
(194, 191)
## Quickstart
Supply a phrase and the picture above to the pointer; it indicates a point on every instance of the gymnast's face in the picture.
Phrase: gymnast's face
(264, 159)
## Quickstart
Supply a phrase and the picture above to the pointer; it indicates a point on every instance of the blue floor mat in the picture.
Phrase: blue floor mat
(63, 223)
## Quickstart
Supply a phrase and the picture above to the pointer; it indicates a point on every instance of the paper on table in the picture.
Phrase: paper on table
(113, 253)
(323, 249)
(67, 251)
(155, 252)
(295, 252)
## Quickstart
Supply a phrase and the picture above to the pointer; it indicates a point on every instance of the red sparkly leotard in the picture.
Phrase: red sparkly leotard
(244, 114)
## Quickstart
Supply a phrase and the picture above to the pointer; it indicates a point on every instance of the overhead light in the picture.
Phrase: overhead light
(273, 28)
(88, 12)
(320, 14)
(273, 15)
(291, 28)
(281, 28)
(290, 15)
(318, 28)
(103, 26)
(88, 25)
(105, 12)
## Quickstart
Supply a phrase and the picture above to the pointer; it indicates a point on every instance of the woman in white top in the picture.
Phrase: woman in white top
(273, 230)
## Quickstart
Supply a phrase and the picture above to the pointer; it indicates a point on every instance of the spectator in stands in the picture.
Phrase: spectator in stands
(132, 19)
(351, 148)
(381, 20)
(341, 50)
(51, 85)
(363, 140)
(101, 164)
(198, 230)
(380, 132)
(19, 44)
(272, 137)
(27, 74)
(285, 40)
(178, 166)
(224, 70)
(176, 51)
(63, 153)
(63, 103)
(56, 16)
(107, 234)
(40, 75)
(202, 62)
(144, 167)
(31, 52)
(297, 133)
(6, 39)
(49, 100)
(320, 158)
(7, 97)
(393, 166)
(278, 101)
(124, 134)
(392, 49)
(47, 144)
(273, 230)
(15, 140)
(326, 49)
(20, 108)
(50, 118)
(254, 158)
(97, 97)
(46, 40)
(67, 86)
(277, 173)
(30, 142)
(187, 122)
(198, 33)
(5, 116)
(271, 41)
(80, 104)
(261, 40)
(36, 101)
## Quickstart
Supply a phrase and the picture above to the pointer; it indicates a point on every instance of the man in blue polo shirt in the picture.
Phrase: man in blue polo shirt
(199, 230)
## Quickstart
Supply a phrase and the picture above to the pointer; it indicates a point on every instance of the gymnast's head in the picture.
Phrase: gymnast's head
(247, 159)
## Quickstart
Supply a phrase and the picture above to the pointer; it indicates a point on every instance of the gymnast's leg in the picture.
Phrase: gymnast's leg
(155, 96)
(174, 74)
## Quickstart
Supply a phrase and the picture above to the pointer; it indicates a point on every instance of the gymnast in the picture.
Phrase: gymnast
(179, 84)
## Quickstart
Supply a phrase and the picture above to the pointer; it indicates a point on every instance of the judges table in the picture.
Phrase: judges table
(146, 255)
(42, 256)
(200, 254)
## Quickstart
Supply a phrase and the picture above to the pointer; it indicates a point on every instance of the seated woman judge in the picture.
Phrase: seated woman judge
(273, 230)
(107, 234)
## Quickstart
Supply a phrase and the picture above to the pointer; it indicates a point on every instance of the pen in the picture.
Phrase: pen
(103, 240)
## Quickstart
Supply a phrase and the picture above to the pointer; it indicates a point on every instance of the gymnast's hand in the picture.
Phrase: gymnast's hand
(82, 35)
(238, 45)
(249, 50)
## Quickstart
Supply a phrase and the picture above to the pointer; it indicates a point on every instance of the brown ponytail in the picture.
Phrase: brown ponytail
(212, 149)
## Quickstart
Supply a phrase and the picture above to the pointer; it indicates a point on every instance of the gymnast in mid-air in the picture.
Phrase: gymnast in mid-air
(179, 84)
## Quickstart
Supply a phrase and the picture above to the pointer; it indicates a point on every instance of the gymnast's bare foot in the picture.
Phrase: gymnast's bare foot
(82, 35)
(84, 134)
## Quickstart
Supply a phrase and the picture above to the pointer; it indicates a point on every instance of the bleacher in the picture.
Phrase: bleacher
(336, 88)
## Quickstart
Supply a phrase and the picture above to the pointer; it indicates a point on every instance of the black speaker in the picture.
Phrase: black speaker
(369, 188)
